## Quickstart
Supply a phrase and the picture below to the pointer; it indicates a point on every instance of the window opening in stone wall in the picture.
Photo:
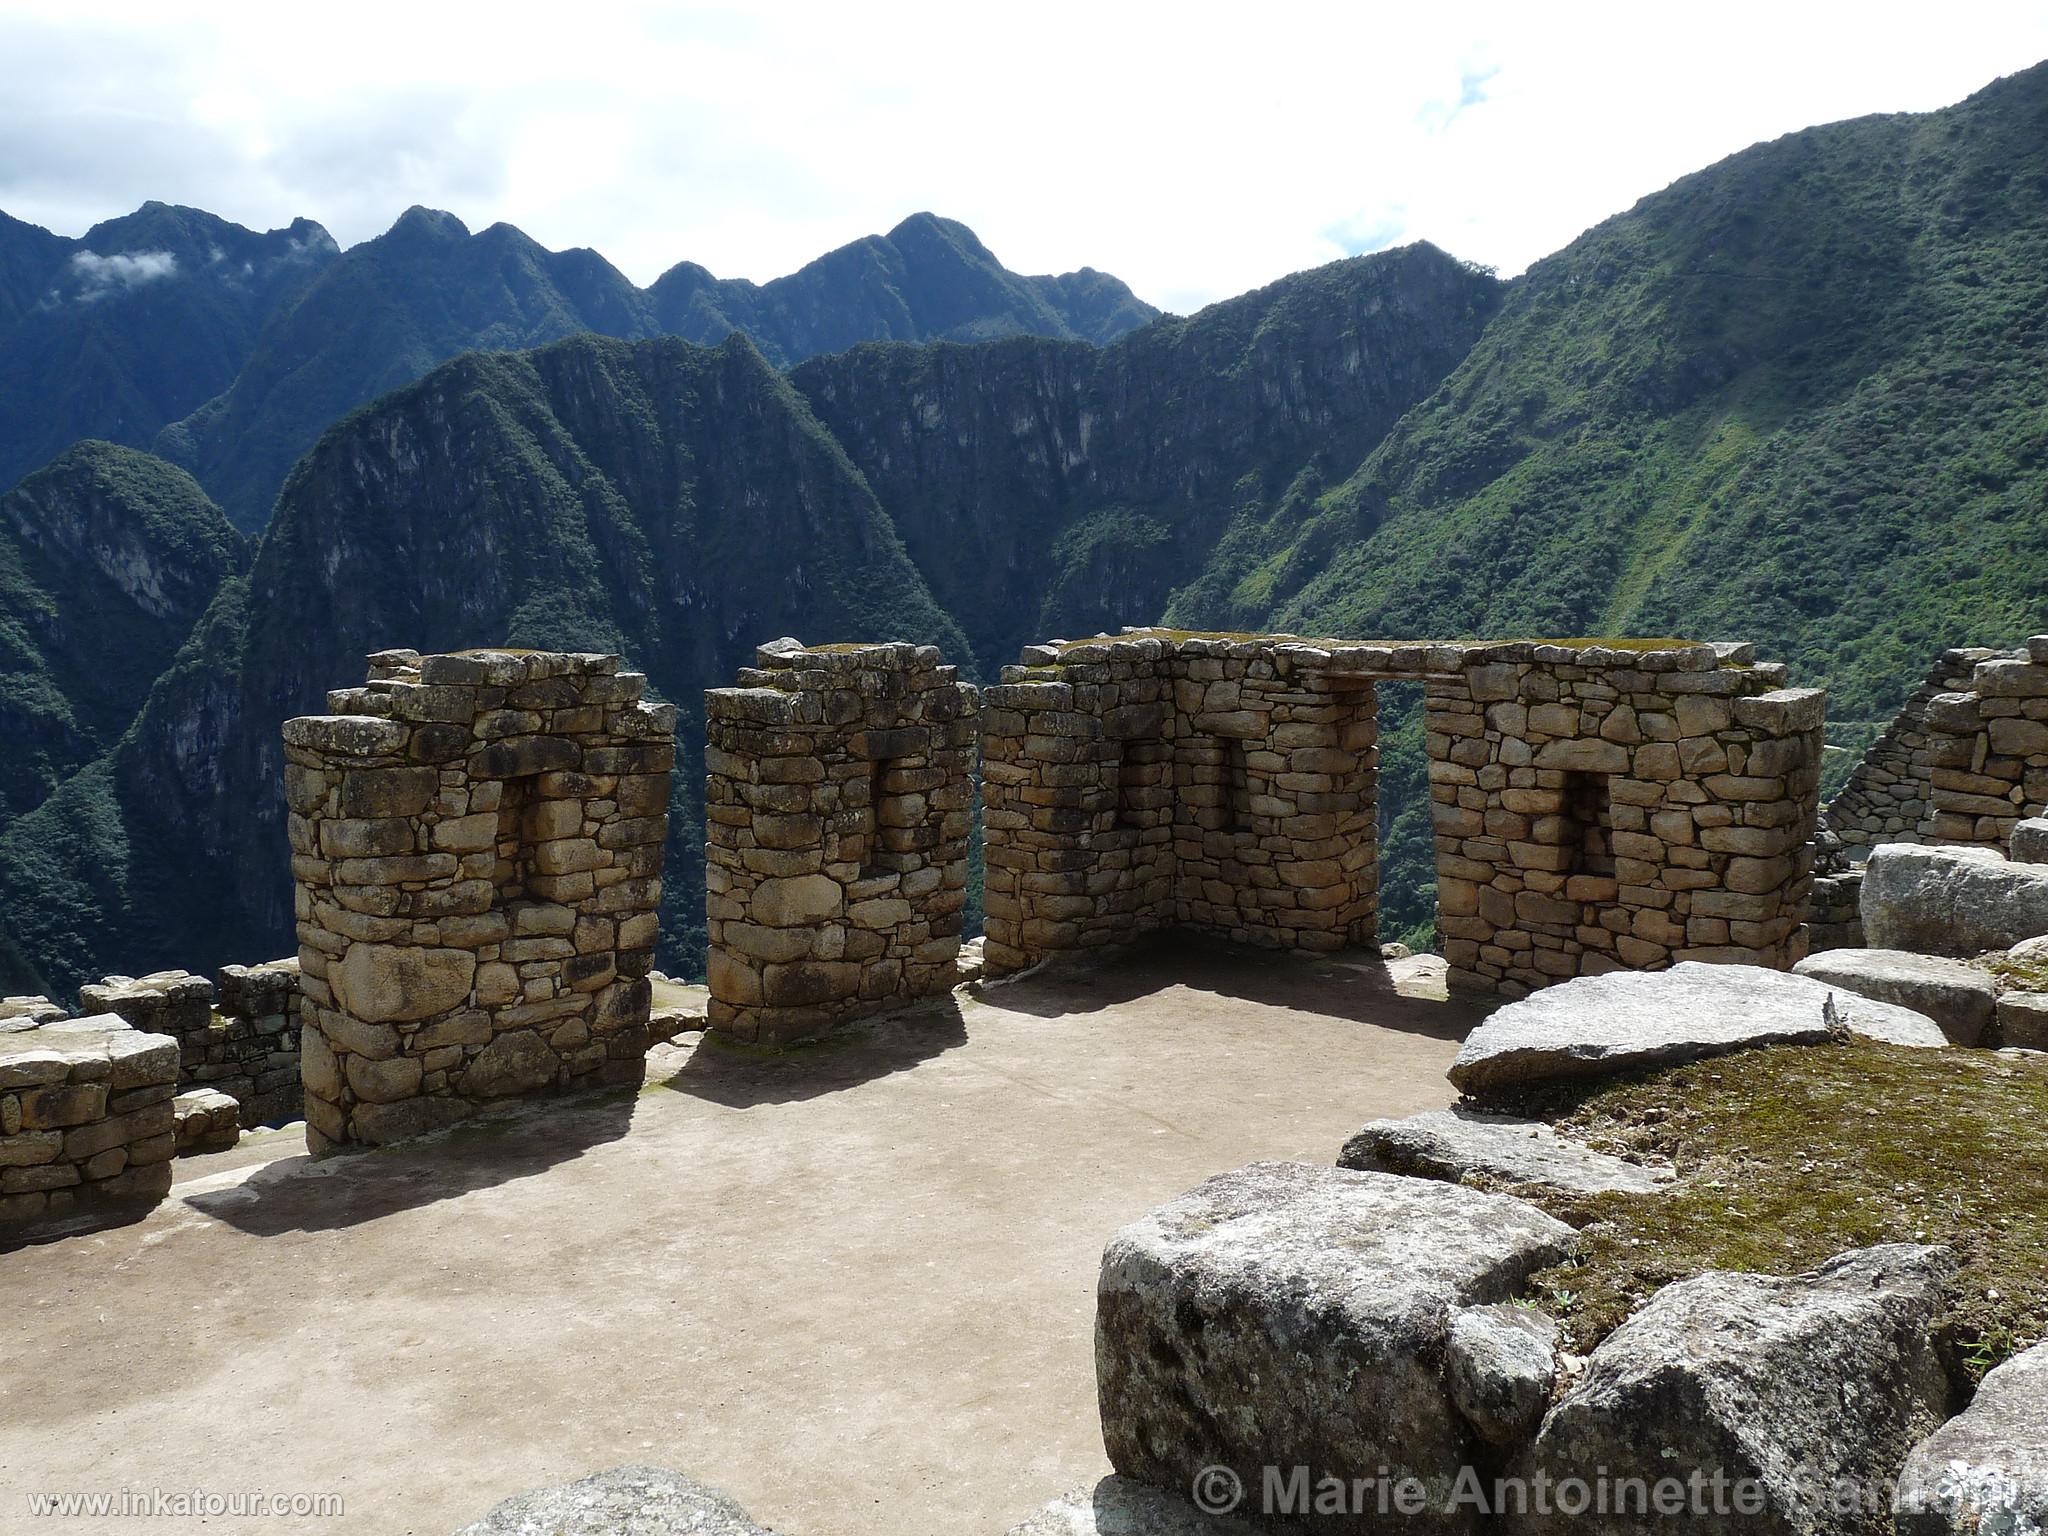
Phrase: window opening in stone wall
(1589, 823)
(879, 800)
(516, 797)
(1237, 787)
(1144, 769)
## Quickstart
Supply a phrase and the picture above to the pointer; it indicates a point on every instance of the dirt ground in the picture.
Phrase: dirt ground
(854, 1286)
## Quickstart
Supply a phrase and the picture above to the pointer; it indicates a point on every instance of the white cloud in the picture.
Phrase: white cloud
(97, 276)
(1195, 150)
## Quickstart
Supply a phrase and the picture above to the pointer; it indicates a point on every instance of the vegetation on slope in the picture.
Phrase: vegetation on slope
(390, 309)
(107, 557)
(136, 323)
(1796, 398)
(674, 503)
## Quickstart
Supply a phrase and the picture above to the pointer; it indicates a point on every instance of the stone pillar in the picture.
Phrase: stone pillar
(838, 802)
(477, 843)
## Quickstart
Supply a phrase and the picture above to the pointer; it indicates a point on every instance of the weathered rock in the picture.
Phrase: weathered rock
(518, 1061)
(626, 1501)
(1951, 901)
(2029, 841)
(1630, 1021)
(1958, 997)
(1209, 1307)
(383, 982)
(1451, 1143)
(1501, 1364)
(2023, 1020)
(1804, 1386)
(1119, 1506)
(1986, 1470)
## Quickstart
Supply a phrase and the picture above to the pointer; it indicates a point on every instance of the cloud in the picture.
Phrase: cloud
(98, 276)
(1195, 151)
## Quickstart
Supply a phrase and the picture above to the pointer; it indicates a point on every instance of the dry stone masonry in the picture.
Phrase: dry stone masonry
(85, 1116)
(1159, 780)
(838, 804)
(477, 843)
(1965, 761)
(241, 1041)
(1596, 807)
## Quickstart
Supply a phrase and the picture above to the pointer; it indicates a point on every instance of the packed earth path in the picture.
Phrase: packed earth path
(853, 1286)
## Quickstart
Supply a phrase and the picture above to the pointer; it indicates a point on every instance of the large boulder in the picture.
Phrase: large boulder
(1290, 1315)
(626, 1501)
(1987, 1469)
(1449, 1144)
(1629, 1021)
(1117, 1506)
(1958, 997)
(1951, 901)
(1796, 1391)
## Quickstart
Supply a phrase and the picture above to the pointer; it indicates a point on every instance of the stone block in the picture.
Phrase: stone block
(1207, 1308)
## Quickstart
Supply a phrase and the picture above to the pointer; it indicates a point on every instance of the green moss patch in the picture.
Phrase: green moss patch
(1789, 1155)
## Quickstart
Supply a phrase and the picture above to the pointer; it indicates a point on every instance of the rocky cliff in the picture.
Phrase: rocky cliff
(107, 558)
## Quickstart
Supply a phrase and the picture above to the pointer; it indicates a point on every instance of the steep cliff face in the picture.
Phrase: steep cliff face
(1047, 488)
(678, 504)
(135, 324)
(107, 558)
(392, 308)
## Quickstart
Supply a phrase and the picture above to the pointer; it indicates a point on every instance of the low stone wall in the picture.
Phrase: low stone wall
(838, 803)
(241, 1039)
(1834, 912)
(477, 843)
(85, 1117)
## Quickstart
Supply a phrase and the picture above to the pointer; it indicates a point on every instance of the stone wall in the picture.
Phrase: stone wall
(1596, 808)
(1886, 797)
(1599, 810)
(1156, 781)
(243, 1042)
(1988, 748)
(85, 1115)
(477, 844)
(838, 804)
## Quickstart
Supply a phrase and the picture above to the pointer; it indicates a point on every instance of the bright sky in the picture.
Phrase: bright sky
(1193, 150)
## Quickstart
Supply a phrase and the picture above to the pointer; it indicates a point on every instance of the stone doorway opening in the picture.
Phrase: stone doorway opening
(1408, 907)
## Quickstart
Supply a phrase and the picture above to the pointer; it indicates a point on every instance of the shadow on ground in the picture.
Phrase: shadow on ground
(1355, 985)
(743, 1076)
(298, 1194)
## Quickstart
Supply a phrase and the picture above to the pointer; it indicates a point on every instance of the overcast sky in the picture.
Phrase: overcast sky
(1194, 151)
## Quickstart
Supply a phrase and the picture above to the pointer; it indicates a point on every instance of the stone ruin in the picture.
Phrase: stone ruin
(85, 1113)
(1964, 763)
(477, 844)
(838, 802)
(1596, 808)
(237, 1040)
